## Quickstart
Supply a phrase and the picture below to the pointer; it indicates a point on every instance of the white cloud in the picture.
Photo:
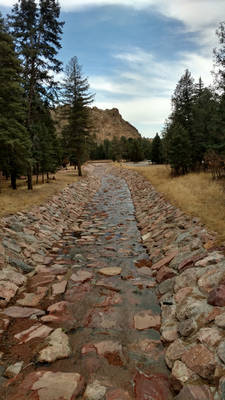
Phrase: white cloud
(143, 88)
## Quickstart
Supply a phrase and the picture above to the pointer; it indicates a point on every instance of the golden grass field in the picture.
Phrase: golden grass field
(22, 199)
(196, 194)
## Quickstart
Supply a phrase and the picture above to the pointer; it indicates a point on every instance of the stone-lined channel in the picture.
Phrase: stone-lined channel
(105, 304)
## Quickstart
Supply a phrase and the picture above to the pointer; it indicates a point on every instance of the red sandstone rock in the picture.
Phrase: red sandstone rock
(200, 360)
(146, 319)
(217, 296)
(165, 261)
(195, 392)
(164, 273)
(154, 387)
(117, 394)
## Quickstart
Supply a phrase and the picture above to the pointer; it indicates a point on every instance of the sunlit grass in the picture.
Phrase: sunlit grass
(196, 194)
(12, 201)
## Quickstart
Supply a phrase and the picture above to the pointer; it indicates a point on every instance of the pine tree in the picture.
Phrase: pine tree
(157, 149)
(77, 96)
(14, 139)
(219, 57)
(36, 30)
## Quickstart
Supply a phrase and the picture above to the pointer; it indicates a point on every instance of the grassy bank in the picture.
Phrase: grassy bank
(12, 201)
(196, 194)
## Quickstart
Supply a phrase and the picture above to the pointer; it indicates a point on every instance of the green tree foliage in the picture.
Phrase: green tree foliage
(15, 144)
(219, 56)
(76, 97)
(156, 153)
(37, 30)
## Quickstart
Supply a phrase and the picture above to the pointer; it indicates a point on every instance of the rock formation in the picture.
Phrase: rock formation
(105, 124)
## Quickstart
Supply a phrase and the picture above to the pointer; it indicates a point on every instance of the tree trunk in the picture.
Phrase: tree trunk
(37, 174)
(29, 178)
(13, 180)
(47, 177)
(43, 177)
(79, 169)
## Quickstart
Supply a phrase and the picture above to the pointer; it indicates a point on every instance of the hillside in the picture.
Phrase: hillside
(105, 124)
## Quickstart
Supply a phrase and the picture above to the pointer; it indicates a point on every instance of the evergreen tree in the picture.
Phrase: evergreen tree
(77, 97)
(14, 139)
(36, 30)
(156, 150)
(219, 56)
(179, 153)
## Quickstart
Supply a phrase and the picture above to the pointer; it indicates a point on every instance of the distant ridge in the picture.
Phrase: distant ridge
(105, 124)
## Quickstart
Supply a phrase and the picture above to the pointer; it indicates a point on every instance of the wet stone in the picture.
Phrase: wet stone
(95, 391)
(58, 347)
(146, 319)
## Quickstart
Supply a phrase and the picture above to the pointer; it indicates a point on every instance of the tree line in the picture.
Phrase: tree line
(194, 134)
(30, 39)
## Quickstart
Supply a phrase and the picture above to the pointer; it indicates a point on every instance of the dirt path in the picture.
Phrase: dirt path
(94, 333)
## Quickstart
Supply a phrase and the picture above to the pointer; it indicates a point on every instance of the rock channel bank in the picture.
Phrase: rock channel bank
(190, 284)
(80, 317)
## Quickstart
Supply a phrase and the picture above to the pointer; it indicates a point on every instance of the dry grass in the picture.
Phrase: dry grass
(196, 194)
(22, 199)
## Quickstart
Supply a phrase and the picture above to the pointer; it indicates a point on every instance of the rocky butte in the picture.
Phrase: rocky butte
(105, 124)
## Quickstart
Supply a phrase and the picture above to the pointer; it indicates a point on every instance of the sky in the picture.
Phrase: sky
(134, 52)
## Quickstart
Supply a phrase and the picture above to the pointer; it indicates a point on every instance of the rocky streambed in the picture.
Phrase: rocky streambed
(94, 308)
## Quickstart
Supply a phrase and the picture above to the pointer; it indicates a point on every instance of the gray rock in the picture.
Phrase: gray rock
(20, 264)
(187, 327)
(221, 351)
(166, 286)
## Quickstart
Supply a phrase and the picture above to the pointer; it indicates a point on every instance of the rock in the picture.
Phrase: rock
(111, 350)
(117, 394)
(15, 262)
(164, 273)
(57, 385)
(213, 258)
(174, 352)
(33, 299)
(58, 347)
(195, 392)
(217, 296)
(81, 276)
(11, 246)
(183, 238)
(9, 274)
(59, 288)
(59, 307)
(210, 336)
(187, 327)
(182, 294)
(146, 319)
(169, 331)
(110, 271)
(146, 236)
(164, 261)
(188, 278)
(7, 291)
(95, 391)
(220, 320)
(35, 331)
(22, 312)
(182, 373)
(211, 279)
(200, 360)
(153, 387)
(166, 286)
(221, 351)
(222, 388)
(13, 370)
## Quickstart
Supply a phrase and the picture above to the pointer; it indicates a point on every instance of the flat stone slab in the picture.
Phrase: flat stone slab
(59, 288)
(110, 271)
(7, 291)
(22, 312)
(57, 348)
(146, 319)
(81, 276)
(35, 331)
(48, 385)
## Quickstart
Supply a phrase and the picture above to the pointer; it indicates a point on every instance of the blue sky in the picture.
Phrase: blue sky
(134, 51)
